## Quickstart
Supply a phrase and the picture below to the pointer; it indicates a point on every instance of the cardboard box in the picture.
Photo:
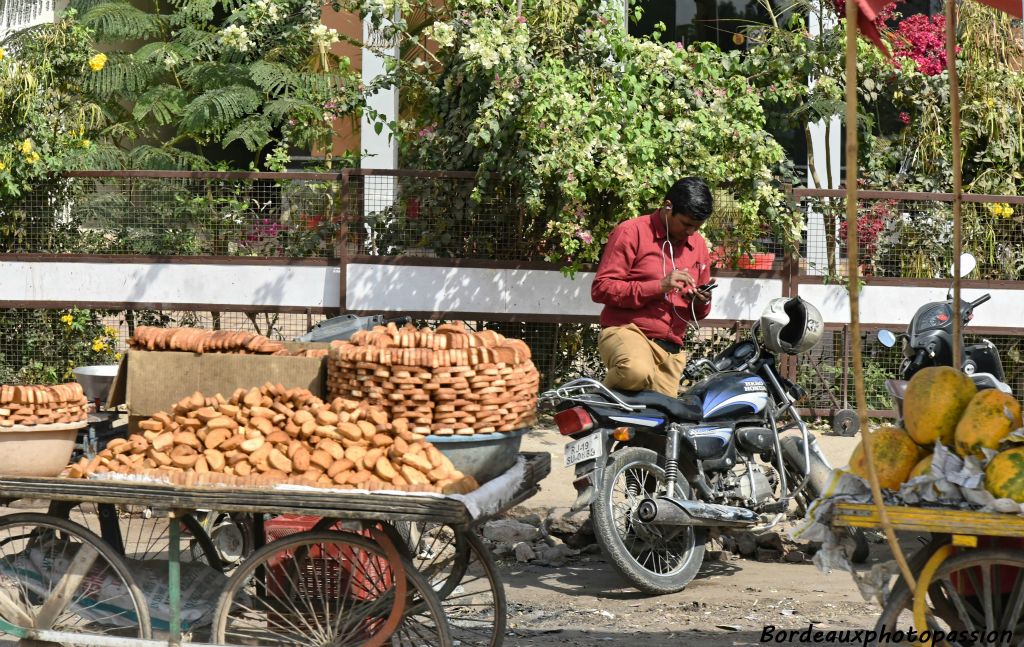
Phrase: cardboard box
(152, 381)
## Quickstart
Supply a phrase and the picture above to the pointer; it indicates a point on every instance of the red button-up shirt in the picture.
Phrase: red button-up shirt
(628, 280)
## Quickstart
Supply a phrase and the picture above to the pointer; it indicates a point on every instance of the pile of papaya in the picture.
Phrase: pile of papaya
(941, 404)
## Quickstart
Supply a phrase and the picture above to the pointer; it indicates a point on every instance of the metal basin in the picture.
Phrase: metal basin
(96, 380)
(483, 456)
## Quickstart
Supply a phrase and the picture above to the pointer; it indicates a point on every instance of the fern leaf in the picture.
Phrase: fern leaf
(289, 107)
(121, 21)
(121, 74)
(272, 78)
(102, 156)
(216, 110)
(83, 7)
(162, 104)
(165, 158)
(195, 11)
(254, 132)
(203, 43)
(158, 51)
(211, 75)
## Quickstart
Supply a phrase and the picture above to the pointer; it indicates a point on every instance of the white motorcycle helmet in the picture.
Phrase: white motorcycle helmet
(791, 326)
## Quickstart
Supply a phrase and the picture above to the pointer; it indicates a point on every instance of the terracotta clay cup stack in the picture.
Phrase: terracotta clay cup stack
(42, 405)
(443, 381)
(271, 435)
(199, 340)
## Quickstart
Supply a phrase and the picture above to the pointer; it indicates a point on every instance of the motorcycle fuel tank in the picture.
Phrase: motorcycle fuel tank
(731, 394)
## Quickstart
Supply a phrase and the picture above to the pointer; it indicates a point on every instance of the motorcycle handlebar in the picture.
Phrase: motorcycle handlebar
(980, 300)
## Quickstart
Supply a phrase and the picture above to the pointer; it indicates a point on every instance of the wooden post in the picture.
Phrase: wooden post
(954, 109)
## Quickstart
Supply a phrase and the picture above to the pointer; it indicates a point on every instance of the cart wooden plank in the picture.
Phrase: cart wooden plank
(62, 426)
(935, 520)
(333, 504)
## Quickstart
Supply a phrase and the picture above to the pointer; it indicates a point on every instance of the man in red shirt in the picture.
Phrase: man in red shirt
(648, 281)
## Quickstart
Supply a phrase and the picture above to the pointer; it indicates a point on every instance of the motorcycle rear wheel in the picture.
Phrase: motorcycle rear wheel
(654, 559)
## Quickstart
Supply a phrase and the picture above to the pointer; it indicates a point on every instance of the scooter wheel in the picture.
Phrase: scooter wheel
(846, 422)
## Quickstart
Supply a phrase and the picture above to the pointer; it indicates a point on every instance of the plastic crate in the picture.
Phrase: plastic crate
(323, 575)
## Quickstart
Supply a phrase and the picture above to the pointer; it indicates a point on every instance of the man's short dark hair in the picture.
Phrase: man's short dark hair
(691, 196)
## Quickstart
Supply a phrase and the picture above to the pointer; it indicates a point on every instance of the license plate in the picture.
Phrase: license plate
(584, 449)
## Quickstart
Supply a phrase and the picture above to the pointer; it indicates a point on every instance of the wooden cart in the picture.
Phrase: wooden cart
(972, 571)
(338, 568)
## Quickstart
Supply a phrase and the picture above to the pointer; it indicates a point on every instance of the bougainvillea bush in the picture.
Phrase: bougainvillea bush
(588, 125)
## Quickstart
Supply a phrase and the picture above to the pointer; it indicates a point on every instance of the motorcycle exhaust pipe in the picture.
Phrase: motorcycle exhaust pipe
(682, 512)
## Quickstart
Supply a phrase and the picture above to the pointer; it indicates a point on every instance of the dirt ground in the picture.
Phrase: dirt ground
(729, 603)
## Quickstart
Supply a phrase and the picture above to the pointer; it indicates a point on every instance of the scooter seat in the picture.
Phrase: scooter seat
(686, 408)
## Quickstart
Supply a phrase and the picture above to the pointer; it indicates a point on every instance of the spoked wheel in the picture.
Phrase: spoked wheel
(327, 588)
(459, 567)
(135, 532)
(58, 576)
(232, 537)
(978, 594)
(654, 559)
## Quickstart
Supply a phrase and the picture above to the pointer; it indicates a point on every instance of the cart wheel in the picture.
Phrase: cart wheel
(59, 576)
(846, 422)
(979, 590)
(327, 588)
(135, 533)
(460, 568)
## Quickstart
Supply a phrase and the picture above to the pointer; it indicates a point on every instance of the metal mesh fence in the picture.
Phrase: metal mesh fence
(913, 238)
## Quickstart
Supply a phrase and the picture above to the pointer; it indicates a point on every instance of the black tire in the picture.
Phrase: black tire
(658, 560)
(846, 422)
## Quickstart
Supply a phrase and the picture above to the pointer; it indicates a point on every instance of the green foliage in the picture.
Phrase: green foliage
(47, 345)
(188, 81)
(585, 126)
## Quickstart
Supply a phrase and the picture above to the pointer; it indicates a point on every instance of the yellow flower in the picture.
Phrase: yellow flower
(86, 143)
(97, 62)
(3, 166)
(32, 158)
(1008, 211)
(68, 319)
(98, 345)
(26, 147)
(118, 356)
(110, 331)
(2, 53)
(990, 102)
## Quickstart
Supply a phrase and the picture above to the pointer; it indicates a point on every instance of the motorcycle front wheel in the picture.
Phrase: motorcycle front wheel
(654, 559)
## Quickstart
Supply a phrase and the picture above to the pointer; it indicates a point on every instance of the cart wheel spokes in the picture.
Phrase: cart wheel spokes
(135, 532)
(979, 590)
(460, 568)
(56, 575)
(327, 588)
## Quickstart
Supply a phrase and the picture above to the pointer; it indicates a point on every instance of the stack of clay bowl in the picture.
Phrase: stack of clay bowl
(445, 381)
(42, 405)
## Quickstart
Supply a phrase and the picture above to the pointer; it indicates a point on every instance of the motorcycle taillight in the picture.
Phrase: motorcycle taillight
(573, 421)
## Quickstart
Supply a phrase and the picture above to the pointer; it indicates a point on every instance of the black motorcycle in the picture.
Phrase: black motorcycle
(929, 339)
(659, 472)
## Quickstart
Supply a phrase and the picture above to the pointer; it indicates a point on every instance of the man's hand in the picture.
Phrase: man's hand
(678, 280)
(703, 296)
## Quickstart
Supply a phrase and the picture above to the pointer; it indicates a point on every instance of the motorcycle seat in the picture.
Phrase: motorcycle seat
(684, 408)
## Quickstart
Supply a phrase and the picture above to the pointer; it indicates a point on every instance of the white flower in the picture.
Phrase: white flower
(443, 34)
(324, 36)
(236, 37)
(171, 61)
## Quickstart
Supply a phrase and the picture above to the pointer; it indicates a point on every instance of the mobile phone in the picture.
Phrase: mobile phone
(707, 287)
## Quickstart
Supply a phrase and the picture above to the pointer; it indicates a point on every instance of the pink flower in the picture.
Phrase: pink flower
(429, 130)
(905, 118)
(923, 39)
(571, 177)
(585, 236)
(521, 19)
(679, 45)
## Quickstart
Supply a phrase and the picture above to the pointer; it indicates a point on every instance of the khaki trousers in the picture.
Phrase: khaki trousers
(635, 363)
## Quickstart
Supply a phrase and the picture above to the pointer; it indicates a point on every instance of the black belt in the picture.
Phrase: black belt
(668, 346)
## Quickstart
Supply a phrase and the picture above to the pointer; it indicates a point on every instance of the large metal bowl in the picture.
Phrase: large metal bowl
(482, 456)
(96, 380)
